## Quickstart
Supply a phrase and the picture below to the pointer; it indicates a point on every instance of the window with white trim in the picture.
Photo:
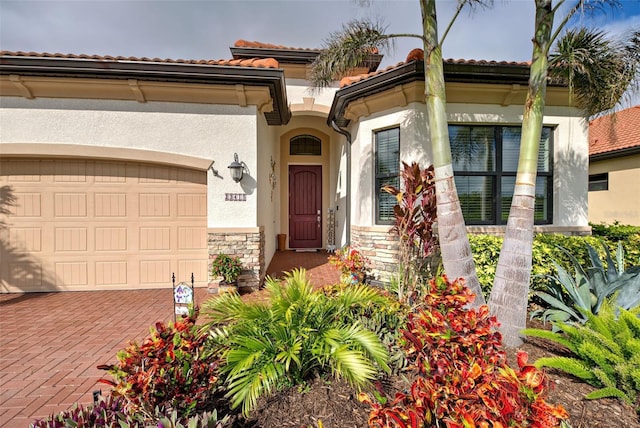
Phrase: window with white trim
(387, 172)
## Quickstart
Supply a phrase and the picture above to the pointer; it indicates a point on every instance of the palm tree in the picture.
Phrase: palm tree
(598, 71)
(348, 48)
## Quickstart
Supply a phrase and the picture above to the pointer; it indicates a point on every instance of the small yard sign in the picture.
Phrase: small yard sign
(182, 296)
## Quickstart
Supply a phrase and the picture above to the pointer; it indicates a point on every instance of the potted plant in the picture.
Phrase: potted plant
(352, 264)
(226, 269)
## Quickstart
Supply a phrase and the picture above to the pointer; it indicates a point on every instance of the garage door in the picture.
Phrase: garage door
(70, 224)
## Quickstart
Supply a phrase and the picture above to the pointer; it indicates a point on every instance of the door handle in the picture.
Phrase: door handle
(318, 218)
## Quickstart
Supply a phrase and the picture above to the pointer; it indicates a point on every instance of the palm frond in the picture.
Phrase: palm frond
(347, 49)
(597, 69)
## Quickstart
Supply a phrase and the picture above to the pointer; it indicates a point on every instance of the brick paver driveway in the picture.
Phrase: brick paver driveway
(51, 343)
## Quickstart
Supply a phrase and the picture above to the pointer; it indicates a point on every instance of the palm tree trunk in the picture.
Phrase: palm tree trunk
(509, 296)
(454, 242)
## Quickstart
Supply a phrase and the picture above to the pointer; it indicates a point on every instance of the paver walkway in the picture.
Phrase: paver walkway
(51, 343)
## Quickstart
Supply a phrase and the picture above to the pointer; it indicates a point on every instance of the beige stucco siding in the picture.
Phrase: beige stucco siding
(621, 202)
(208, 133)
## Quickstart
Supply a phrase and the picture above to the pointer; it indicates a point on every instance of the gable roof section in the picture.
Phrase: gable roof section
(616, 134)
(264, 72)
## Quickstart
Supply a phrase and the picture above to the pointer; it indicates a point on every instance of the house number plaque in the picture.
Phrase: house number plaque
(235, 197)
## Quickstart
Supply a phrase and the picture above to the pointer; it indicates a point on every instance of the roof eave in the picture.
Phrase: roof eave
(157, 71)
(405, 73)
(628, 151)
(412, 71)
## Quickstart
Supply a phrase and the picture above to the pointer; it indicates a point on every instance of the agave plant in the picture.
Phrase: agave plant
(298, 334)
(571, 298)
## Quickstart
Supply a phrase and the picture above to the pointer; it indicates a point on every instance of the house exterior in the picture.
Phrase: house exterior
(614, 168)
(114, 171)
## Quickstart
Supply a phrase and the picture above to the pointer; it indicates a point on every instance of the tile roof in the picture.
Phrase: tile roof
(418, 55)
(260, 45)
(614, 132)
(246, 62)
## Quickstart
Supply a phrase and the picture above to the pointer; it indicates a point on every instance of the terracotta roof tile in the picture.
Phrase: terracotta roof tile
(613, 132)
(418, 55)
(260, 45)
(249, 62)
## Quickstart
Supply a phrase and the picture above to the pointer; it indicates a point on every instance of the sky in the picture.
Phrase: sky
(205, 29)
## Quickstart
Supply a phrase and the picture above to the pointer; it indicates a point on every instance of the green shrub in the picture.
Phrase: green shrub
(300, 333)
(615, 231)
(606, 352)
(169, 371)
(486, 249)
(463, 376)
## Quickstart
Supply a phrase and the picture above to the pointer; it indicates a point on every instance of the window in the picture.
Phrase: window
(485, 162)
(599, 182)
(387, 158)
(308, 145)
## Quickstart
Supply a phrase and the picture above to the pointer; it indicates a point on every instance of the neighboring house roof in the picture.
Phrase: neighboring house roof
(616, 134)
(245, 71)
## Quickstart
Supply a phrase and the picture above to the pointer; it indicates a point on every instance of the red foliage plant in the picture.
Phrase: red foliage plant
(464, 379)
(168, 371)
(350, 261)
(415, 211)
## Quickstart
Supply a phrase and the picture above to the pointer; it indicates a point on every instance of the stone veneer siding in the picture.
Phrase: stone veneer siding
(248, 244)
(380, 247)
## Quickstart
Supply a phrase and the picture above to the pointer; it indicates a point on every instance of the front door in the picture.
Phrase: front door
(305, 206)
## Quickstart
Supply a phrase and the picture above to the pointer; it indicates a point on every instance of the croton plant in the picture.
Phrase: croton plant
(464, 379)
(167, 372)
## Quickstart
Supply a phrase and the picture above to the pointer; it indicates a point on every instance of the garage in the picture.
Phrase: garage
(93, 224)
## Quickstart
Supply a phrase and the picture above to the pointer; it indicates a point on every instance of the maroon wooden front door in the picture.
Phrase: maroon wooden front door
(305, 206)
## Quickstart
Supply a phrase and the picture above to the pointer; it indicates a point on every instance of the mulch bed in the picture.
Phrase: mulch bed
(335, 404)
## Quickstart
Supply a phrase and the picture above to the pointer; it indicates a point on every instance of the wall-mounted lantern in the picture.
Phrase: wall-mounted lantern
(236, 169)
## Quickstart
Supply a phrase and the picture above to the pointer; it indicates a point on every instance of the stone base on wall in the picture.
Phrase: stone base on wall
(246, 243)
(380, 247)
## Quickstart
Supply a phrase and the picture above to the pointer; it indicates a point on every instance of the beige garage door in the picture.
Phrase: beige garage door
(72, 224)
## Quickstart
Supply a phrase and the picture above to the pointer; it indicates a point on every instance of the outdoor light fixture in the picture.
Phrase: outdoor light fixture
(236, 169)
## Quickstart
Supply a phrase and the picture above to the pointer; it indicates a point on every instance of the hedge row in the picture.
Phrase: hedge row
(486, 249)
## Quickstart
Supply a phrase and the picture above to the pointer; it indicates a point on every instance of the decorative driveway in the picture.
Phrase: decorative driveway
(51, 343)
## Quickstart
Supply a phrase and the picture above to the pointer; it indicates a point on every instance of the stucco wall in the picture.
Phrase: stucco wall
(570, 153)
(206, 132)
(268, 177)
(621, 201)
